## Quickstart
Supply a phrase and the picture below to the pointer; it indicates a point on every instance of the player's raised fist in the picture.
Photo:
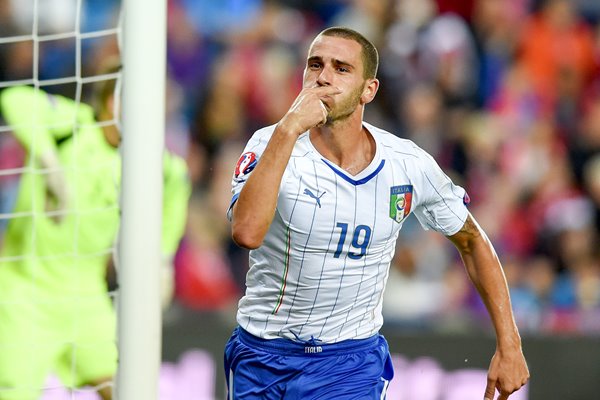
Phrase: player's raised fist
(309, 109)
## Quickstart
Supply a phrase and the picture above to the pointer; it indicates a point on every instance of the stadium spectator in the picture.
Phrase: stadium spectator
(556, 42)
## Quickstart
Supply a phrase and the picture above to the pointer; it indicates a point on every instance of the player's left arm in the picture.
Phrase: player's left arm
(508, 369)
(177, 189)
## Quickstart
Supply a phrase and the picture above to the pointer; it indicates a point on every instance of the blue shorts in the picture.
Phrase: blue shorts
(278, 369)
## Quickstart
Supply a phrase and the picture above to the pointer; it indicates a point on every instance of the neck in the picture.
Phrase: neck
(346, 143)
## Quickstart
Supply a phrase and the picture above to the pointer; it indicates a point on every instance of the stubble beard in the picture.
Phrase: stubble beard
(345, 109)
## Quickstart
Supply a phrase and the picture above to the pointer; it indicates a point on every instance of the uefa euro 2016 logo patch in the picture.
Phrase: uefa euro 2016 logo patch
(400, 202)
(245, 165)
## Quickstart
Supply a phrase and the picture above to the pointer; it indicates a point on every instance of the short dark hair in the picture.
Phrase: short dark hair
(370, 55)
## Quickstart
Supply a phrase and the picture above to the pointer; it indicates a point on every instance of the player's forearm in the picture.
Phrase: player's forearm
(255, 207)
(485, 271)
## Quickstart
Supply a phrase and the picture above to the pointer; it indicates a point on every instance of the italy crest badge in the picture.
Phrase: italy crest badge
(400, 202)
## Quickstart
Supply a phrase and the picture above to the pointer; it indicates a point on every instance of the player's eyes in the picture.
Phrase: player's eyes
(314, 65)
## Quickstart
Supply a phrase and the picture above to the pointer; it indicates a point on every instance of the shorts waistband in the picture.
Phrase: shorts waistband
(313, 348)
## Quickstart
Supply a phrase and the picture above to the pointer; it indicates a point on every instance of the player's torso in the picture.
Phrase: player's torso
(340, 218)
(324, 262)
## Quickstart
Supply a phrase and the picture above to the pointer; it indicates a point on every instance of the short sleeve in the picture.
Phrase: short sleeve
(442, 205)
(247, 162)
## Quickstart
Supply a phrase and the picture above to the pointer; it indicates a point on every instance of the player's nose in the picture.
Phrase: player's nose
(324, 78)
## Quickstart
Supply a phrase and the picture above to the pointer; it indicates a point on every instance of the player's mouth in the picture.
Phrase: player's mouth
(327, 101)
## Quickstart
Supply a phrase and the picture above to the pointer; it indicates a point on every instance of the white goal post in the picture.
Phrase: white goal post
(141, 32)
(139, 310)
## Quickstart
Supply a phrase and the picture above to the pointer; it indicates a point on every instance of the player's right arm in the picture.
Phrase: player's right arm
(39, 121)
(37, 118)
(254, 209)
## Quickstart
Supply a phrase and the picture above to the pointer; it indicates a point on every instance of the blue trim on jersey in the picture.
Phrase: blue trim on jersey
(230, 209)
(234, 199)
(353, 181)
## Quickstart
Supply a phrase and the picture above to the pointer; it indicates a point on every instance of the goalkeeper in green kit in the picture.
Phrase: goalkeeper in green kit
(56, 315)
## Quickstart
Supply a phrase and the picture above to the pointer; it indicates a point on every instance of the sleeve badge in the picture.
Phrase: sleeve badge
(245, 165)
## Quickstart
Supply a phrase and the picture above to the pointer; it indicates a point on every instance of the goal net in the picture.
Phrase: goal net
(59, 197)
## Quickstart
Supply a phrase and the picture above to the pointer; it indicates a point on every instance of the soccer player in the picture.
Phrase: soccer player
(55, 312)
(319, 198)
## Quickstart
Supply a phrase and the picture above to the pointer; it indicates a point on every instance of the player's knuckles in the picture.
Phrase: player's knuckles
(311, 116)
(310, 104)
(509, 388)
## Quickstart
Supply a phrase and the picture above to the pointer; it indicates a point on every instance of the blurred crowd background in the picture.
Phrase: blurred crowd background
(505, 94)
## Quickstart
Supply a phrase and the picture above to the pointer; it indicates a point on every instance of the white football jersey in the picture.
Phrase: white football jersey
(322, 268)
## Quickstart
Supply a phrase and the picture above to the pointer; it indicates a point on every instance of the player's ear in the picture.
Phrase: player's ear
(370, 90)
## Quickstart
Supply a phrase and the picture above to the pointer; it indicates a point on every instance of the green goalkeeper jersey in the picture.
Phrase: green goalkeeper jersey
(71, 254)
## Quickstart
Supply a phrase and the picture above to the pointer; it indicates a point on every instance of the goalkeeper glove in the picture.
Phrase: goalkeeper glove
(57, 191)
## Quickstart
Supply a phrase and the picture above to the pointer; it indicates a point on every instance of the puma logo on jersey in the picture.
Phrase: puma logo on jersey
(311, 194)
